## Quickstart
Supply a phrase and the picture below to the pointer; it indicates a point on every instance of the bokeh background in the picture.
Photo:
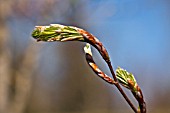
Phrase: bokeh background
(55, 78)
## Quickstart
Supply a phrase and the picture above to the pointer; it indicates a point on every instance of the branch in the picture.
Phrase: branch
(57, 32)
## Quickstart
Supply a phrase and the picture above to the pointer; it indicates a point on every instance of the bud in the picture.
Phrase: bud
(56, 32)
(126, 79)
(95, 68)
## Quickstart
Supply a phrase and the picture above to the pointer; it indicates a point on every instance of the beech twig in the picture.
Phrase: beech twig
(57, 32)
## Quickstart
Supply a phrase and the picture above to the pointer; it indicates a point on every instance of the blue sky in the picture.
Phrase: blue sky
(136, 34)
(138, 28)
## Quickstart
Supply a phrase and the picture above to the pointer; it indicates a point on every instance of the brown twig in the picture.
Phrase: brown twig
(120, 89)
(99, 46)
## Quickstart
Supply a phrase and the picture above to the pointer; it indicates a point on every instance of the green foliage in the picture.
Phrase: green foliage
(126, 79)
(56, 32)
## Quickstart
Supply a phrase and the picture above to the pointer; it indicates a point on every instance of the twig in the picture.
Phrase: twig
(101, 74)
(120, 89)
(57, 32)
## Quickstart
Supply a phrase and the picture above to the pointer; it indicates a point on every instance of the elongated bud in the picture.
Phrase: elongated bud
(95, 68)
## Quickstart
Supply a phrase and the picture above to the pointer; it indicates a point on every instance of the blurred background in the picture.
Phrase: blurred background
(55, 78)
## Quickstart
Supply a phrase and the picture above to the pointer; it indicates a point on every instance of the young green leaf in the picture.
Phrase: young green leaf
(56, 32)
(126, 79)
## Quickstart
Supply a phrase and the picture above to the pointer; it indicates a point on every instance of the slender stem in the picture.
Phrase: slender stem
(141, 102)
(120, 89)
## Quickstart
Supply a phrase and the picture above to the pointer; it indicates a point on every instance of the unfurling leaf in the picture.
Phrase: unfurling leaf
(56, 32)
(126, 79)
